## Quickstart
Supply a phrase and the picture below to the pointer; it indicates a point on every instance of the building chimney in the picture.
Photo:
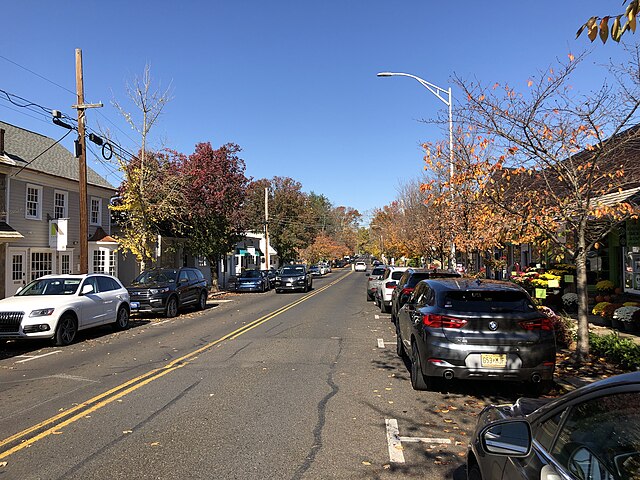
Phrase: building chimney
(1, 141)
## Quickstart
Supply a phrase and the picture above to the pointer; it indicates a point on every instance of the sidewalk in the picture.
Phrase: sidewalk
(567, 379)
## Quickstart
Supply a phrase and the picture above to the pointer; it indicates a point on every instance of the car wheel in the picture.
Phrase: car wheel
(122, 320)
(202, 301)
(369, 297)
(399, 345)
(65, 331)
(172, 307)
(418, 380)
(540, 388)
(384, 308)
(474, 473)
(278, 290)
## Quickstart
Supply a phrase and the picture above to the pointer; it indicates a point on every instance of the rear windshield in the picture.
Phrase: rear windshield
(377, 271)
(397, 275)
(488, 302)
(251, 274)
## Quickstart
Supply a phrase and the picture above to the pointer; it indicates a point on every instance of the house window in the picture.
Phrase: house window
(96, 211)
(41, 264)
(104, 261)
(33, 208)
(60, 204)
(16, 268)
(65, 263)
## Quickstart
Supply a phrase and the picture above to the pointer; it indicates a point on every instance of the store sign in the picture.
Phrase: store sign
(58, 230)
(633, 233)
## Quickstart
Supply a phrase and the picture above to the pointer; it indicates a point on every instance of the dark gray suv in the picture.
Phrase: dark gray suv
(475, 329)
(165, 290)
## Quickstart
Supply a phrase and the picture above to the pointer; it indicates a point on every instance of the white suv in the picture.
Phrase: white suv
(388, 283)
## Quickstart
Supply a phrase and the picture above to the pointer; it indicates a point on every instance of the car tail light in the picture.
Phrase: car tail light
(407, 290)
(390, 285)
(537, 324)
(442, 321)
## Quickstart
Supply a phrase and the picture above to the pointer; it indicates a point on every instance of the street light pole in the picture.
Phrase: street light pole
(438, 92)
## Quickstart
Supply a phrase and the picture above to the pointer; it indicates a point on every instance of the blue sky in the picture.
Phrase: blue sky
(292, 82)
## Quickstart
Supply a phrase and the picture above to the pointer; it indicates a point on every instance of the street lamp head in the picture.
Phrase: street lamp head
(385, 74)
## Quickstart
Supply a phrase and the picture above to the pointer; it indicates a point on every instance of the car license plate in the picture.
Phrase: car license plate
(497, 360)
(135, 305)
(289, 284)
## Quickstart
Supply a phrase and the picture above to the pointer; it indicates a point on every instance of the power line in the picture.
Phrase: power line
(38, 75)
(43, 152)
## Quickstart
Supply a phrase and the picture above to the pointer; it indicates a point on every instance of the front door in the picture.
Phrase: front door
(16, 273)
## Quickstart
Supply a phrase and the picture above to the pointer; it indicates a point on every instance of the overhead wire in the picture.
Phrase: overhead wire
(43, 152)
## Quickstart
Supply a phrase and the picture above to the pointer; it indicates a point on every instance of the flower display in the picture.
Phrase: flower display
(605, 286)
(599, 308)
(625, 314)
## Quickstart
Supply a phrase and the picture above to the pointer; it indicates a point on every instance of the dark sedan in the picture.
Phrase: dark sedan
(590, 433)
(408, 282)
(251, 281)
(475, 329)
(293, 277)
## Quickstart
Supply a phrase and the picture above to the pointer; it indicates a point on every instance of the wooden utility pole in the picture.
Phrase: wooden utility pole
(266, 226)
(82, 165)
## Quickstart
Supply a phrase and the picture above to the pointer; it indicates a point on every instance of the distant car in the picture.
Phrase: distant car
(407, 283)
(58, 306)
(589, 433)
(388, 283)
(251, 281)
(326, 266)
(315, 270)
(293, 277)
(373, 282)
(475, 329)
(166, 290)
(360, 267)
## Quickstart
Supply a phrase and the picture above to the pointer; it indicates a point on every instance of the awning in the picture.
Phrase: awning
(8, 233)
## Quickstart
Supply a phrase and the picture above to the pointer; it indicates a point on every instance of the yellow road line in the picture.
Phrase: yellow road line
(83, 409)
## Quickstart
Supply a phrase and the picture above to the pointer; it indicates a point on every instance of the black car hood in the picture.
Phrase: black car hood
(139, 286)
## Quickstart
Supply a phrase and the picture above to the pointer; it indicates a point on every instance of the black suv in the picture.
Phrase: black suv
(165, 290)
(407, 283)
(475, 329)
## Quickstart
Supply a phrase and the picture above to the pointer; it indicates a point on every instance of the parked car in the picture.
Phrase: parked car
(250, 281)
(166, 290)
(315, 270)
(293, 277)
(58, 306)
(360, 267)
(388, 283)
(589, 433)
(475, 329)
(407, 283)
(373, 281)
(325, 267)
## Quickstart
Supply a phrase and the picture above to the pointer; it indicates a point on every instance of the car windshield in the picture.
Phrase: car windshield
(156, 276)
(378, 271)
(292, 271)
(51, 286)
(251, 274)
(488, 301)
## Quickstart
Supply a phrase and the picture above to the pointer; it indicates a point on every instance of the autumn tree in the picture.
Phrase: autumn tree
(617, 24)
(559, 157)
(289, 230)
(146, 197)
(323, 247)
(214, 191)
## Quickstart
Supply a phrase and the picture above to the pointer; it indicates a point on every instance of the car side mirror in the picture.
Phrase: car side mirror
(87, 289)
(511, 438)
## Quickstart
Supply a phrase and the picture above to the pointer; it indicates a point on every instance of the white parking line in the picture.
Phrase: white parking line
(28, 358)
(395, 441)
(382, 343)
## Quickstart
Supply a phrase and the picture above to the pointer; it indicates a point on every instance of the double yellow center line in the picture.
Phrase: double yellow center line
(50, 426)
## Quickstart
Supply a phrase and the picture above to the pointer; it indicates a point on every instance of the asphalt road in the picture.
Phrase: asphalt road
(257, 386)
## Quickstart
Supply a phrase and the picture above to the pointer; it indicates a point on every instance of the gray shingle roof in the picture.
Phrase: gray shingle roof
(22, 146)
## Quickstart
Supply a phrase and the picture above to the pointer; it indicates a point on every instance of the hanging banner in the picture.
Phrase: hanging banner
(58, 234)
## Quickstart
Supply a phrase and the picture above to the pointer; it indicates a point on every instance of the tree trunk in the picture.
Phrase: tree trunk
(213, 267)
(582, 348)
